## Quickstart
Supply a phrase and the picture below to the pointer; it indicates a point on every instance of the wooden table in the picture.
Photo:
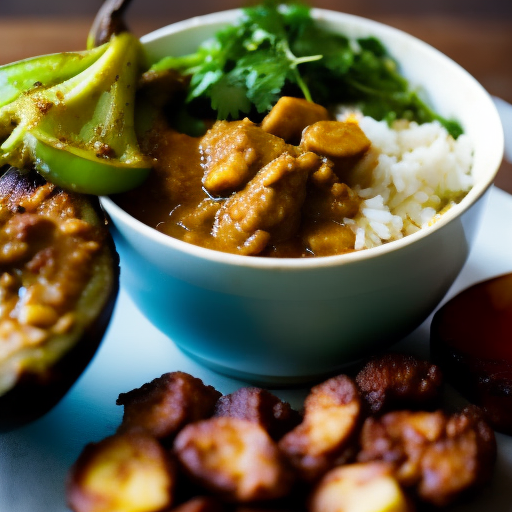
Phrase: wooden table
(482, 46)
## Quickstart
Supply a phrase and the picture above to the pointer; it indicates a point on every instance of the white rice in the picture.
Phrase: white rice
(412, 175)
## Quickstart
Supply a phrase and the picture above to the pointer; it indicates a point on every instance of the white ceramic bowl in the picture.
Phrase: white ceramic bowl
(290, 320)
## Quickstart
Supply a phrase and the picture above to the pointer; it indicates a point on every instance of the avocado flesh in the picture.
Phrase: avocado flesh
(88, 118)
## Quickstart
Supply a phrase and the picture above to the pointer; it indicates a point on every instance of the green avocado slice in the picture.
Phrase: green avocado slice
(79, 133)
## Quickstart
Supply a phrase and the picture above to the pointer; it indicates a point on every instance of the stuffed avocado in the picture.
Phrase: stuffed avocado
(59, 279)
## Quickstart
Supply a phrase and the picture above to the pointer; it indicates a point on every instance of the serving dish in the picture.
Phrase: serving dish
(291, 320)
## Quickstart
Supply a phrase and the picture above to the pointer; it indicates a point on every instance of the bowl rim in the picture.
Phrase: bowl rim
(474, 194)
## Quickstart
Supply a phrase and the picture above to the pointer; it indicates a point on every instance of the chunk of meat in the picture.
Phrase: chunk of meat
(234, 458)
(324, 438)
(290, 116)
(326, 238)
(335, 139)
(233, 152)
(328, 204)
(122, 473)
(335, 203)
(166, 404)
(261, 407)
(197, 222)
(268, 209)
(399, 381)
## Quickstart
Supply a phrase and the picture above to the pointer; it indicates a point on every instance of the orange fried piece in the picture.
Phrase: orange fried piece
(440, 456)
(462, 460)
(287, 504)
(261, 407)
(234, 458)
(399, 381)
(401, 438)
(163, 406)
(331, 416)
(246, 508)
(200, 504)
(128, 472)
(368, 487)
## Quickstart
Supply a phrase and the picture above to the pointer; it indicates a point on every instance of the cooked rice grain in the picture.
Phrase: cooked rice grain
(416, 173)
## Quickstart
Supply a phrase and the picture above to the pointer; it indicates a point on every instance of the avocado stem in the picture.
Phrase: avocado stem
(108, 21)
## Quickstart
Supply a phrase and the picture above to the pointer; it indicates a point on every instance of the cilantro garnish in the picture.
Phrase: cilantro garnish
(276, 49)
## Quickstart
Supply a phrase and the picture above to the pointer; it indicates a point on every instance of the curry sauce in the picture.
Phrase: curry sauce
(244, 189)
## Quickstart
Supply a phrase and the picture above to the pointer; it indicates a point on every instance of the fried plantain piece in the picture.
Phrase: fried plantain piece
(461, 461)
(261, 407)
(200, 504)
(331, 416)
(400, 438)
(128, 472)
(270, 508)
(360, 487)
(166, 404)
(234, 458)
(440, 456)
(399, 381)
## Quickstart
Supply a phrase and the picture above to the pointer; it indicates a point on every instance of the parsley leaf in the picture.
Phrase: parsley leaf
(264, 73)
(229, 97)
(276, 49)
(247, 65)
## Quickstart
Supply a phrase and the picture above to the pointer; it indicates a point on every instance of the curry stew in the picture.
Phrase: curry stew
(279, 188)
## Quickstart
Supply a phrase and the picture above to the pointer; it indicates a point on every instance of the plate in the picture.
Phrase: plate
(35, 459)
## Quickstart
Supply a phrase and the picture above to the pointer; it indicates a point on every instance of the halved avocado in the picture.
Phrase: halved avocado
(59, 280)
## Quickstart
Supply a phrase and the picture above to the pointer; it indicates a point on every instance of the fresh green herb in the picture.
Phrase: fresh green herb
(276, 49)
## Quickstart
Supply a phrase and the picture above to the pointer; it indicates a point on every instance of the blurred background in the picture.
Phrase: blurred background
(173, 8)
(475, 33)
